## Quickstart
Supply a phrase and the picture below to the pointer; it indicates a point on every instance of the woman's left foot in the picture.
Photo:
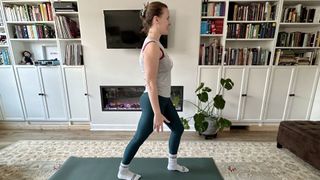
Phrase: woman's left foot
(174, 166)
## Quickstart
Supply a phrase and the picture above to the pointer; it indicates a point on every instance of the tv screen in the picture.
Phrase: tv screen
(123, 29)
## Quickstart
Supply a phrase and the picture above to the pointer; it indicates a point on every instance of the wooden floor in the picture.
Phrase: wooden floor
(8, 137)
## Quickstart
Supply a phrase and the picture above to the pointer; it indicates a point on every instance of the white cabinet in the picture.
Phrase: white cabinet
(54, 94)
(254, 91)
(232, 97)
(290, 93)
(315, 112)
(78, 104)
(278, 95)
(43, 93)
(299, 104)
(210, 76)
(10, 103)
(31, 91)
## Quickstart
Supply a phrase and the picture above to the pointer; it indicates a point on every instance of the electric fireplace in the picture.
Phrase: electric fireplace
(126, 98)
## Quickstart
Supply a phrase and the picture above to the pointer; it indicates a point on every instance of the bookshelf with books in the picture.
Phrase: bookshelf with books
(265, 54)
(51, 34)
(298, 40)
(212, 32)
(34, 25)
(68, 33)
(5, 58)
(251, 31)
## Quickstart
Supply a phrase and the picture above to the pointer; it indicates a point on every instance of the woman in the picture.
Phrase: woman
(155, 101)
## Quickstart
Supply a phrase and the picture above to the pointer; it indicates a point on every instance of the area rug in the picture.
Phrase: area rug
(39, 159)
(80, 168)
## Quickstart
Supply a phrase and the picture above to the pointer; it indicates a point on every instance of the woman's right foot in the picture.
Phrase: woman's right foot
(125, 173)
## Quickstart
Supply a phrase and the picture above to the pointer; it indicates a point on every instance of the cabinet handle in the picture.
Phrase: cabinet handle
(86, 94)
(291, 94)
(244, 95)
(40, 94)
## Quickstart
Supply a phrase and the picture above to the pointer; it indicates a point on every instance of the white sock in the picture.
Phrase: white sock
(125, 173)
(174, 166)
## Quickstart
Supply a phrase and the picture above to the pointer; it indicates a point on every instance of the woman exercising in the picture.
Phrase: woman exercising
(155, 101)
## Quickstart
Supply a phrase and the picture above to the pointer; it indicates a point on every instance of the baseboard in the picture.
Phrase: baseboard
(46, 125)
(263, 128)
(107, 127)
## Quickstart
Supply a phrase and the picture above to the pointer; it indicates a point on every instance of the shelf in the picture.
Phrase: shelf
(297, 47)
(75, 39)
(303, 2)
(299, 24)
(253, 0)
(255, 39)
(1, 26)
(4, 45)
(211, 35)
(68, 13)
(212, 17)
(30, 22)
(272, 21)
(25, 1)
(44, 39)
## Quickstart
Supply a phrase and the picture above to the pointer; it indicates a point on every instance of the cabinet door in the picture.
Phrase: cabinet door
(76, 92)
(315, 112)
(232, 97)
(281, 78)
(11, 106)
(54, 93)
(254, 92)
(300, 94)
(211, 78)
(31, 93)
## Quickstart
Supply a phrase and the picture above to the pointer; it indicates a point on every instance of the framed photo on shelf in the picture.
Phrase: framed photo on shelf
(50, 52)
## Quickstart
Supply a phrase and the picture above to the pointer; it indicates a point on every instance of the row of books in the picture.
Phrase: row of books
(298, 13)
(35, 31)
(213, 8)
(4, 57)
(261, 30)
(73, 54)
(40, 12)
(212, 26)
(298, 39)
(295, 57)
(67, 28)
(211, 54)
(247, 56)
(252, 12)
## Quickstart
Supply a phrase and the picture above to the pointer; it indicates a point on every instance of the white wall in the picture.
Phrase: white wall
(121, 67)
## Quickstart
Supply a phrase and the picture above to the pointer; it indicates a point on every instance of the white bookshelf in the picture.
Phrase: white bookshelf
(32, 44)
(291, 24)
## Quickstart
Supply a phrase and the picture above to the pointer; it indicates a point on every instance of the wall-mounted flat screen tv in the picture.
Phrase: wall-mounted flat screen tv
(123, 30)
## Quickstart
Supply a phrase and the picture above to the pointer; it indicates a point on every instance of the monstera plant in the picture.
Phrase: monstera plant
(208, 119)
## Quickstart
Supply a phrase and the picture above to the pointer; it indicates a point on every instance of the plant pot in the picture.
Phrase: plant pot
(211, 130)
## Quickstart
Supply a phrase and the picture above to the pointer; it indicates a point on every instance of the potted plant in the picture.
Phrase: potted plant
(208, 120)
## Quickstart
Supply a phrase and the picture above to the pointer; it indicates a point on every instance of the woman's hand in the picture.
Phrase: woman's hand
(158, 121)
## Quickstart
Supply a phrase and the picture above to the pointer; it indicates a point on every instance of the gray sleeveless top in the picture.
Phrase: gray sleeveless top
(164, 70)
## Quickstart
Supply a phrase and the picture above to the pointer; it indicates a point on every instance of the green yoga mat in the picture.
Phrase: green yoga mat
(76, 168)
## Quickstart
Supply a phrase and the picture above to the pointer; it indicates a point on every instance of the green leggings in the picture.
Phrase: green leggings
(145, 126)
